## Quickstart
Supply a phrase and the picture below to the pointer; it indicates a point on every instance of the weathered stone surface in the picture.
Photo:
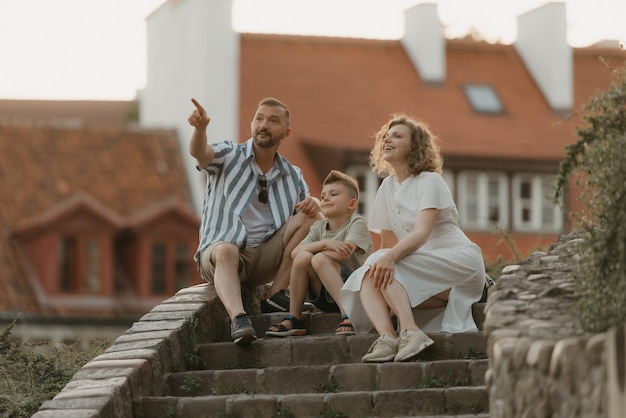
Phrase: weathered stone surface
(540, 362)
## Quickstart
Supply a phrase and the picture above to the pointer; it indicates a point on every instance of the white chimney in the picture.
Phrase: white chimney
(193, 51)
(424, 42)
(542, 45)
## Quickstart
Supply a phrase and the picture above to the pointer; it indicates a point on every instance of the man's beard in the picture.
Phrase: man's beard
(269, 141)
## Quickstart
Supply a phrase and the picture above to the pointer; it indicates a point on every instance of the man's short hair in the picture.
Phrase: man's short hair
(270, 101)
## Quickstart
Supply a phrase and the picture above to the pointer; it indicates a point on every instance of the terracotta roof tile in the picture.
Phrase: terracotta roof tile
(341, 90)
(123, 173)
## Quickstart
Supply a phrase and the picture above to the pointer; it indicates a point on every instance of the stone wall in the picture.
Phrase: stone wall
(540, 363)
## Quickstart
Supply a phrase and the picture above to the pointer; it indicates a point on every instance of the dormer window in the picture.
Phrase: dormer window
(80, 264)
(172, 266)
(483, 98)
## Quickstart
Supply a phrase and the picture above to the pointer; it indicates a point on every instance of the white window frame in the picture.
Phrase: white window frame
(540, 198)
(367, 192)
(482, 221)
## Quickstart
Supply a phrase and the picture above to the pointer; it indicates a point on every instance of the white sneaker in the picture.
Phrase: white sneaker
(410, 343)
(383, 349)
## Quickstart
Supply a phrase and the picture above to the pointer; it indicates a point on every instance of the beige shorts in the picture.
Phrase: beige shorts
(257, 265)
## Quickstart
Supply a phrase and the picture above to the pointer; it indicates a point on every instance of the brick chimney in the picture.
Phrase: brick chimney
(542, 45)
(424, 42)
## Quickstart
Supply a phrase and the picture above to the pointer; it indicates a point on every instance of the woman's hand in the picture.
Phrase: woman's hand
(382, 271)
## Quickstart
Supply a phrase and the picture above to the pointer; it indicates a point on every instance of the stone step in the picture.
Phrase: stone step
(326, 323)
(381, 403)
(329, 378)
(324, 350)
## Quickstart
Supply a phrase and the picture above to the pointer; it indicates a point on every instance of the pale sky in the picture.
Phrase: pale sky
(96, 49)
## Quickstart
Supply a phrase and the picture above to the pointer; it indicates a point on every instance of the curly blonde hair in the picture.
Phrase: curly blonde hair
(424, 155)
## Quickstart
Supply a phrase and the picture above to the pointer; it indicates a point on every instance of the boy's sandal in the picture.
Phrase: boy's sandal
(279, 330)
(345, 328)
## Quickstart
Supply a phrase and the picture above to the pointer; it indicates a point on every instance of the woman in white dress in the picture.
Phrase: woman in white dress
(425, 258)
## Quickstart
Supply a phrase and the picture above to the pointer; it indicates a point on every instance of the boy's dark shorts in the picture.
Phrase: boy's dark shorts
(324, 301)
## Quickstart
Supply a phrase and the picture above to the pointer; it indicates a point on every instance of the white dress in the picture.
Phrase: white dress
(447, 260)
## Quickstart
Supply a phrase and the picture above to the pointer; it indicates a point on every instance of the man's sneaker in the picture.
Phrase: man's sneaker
(279, 302)
(241, 329)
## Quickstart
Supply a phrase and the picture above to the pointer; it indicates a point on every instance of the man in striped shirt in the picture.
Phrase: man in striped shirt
(256, 209)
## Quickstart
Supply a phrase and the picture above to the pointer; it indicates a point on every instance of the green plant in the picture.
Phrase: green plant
(476, 407)
(434, 381)
(453, 408)
(596, 161)
(169, 411)
(190, 384)
(228, 390)
(330, 387)
(28, 377)
(430, 381)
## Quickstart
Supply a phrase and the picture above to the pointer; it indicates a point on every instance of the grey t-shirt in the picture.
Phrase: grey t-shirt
(354, 230)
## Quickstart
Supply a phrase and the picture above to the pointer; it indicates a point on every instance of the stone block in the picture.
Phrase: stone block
(205, 407)
(616, 367)
(156, 407)
(320, 350)
(355, 376)
(235, 381)
(397, 376)
(295, 379)
(68, 413)
(302, 405)
(408, 402)
(353, 404)
(251, 406)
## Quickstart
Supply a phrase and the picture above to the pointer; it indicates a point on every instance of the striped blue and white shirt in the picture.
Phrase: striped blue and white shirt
(232, 183)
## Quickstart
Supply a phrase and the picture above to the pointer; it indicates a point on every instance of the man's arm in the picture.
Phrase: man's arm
(199, 147)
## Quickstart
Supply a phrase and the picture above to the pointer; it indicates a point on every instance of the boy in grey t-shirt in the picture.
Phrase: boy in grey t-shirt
(334, 247)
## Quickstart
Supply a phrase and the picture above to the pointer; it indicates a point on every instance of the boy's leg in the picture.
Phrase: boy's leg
(299, 284)
(329, 272)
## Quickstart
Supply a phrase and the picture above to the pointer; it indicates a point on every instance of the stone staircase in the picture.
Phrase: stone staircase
(178, 361)
(320, 375)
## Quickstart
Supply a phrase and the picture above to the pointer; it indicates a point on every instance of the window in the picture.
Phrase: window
(483, 98)
(182, 266)
(159, 268)
(532, 204)
(482, 199)
(368, 186)
(172, 267)
(79, 269)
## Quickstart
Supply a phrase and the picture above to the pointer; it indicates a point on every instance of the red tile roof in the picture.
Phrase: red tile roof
(119, 174)
(341, 91)
(67, 113)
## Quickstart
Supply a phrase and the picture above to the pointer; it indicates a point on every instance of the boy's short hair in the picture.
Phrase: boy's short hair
(336, 176)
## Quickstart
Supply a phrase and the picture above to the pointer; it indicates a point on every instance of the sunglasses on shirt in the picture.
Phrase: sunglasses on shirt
(263, 191)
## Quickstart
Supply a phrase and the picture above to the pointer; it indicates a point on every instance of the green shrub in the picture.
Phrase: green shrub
(598, 161)
(28, 378)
